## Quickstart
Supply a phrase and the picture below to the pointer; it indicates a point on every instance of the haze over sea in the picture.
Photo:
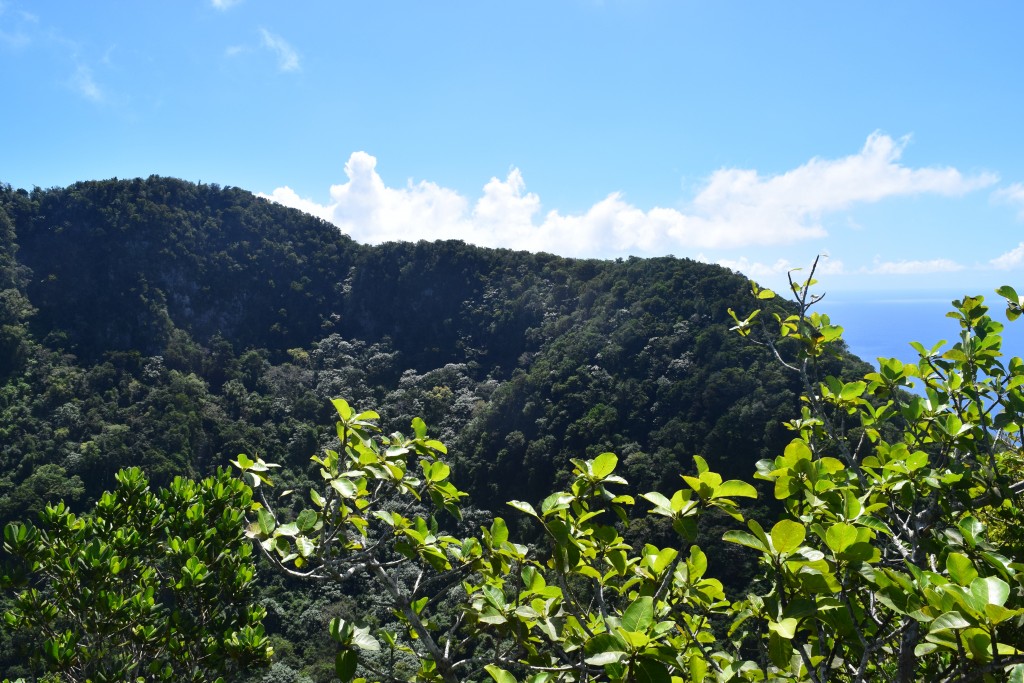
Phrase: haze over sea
(883, 323)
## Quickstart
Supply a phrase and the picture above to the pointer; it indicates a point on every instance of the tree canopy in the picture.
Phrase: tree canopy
(891, 558)
(166, 325)
(154, 586)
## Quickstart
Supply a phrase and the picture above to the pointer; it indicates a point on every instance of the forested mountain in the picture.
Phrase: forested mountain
(171, 325)
(225, 322)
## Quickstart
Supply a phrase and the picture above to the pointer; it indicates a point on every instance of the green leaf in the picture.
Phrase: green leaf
(735, 488)
(787, 535)
(603, 465)
(786, 628)
(345, 487)
(1008, 292)
(664, 558)
(743, 538)
(780, 650)
(439, 471)
(604, 658)
(698, 562)
(796, 450)
(340, 630)
(659, 501)
(852, 390)
(649, 670)
(605, 642)
(786, 486)
(979, 643)
(345, 664)
(961, 569)
(852, 508)
(990, 590)
(639, 615)
(948, 621)
(499, 531)
(306, 520)
(344, 409)
(304, 546)
(499, 675)
(523, 507)
(362, 639)
(840, 536)
(266, 522)
(289, 529)
(998, 614)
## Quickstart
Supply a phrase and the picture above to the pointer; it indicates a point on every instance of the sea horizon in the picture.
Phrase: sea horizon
(882, 323)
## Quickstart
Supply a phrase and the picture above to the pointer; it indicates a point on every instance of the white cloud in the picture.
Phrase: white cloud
(19, 37)
(85, 84)
(756, 269)
(735, 208)
(940, 265)
(223, 5)
(1012, 194)
(1010, 260)
(786, 207)
(287, 57)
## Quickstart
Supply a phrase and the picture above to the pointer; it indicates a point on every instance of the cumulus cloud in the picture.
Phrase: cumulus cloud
(940, 265)
(287, 57)
(734, 208)
(756, 269)
(1010, 260)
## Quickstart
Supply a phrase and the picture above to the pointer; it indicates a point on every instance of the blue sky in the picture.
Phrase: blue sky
(756, 135)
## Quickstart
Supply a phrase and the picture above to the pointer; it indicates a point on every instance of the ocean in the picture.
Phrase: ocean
(883, 323)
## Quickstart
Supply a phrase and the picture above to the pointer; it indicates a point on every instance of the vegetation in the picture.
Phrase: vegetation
(880, 567)
(148, 586)
(160, 324)
(168, 323)
(165, 325)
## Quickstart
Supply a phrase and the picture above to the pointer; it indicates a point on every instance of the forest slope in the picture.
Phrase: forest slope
(172, 325)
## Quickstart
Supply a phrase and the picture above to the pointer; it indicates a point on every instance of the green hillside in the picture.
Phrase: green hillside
(167, 324)
(170, 326)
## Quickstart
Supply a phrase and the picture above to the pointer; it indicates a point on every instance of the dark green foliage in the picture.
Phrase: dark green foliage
(147, 586)
(204, 320)
(167, 325)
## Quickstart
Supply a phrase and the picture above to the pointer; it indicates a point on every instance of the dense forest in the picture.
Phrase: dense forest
(171, 326)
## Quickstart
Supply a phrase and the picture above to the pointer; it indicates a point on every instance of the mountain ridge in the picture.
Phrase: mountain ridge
(264, 313)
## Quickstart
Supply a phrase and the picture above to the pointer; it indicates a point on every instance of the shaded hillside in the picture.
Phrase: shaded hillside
(172, 325)
(117, 265)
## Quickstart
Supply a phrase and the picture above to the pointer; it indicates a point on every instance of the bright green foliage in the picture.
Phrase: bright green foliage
(879, 568)
(364, 520)
(883, 569)
(149, 586)
(590, 605)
